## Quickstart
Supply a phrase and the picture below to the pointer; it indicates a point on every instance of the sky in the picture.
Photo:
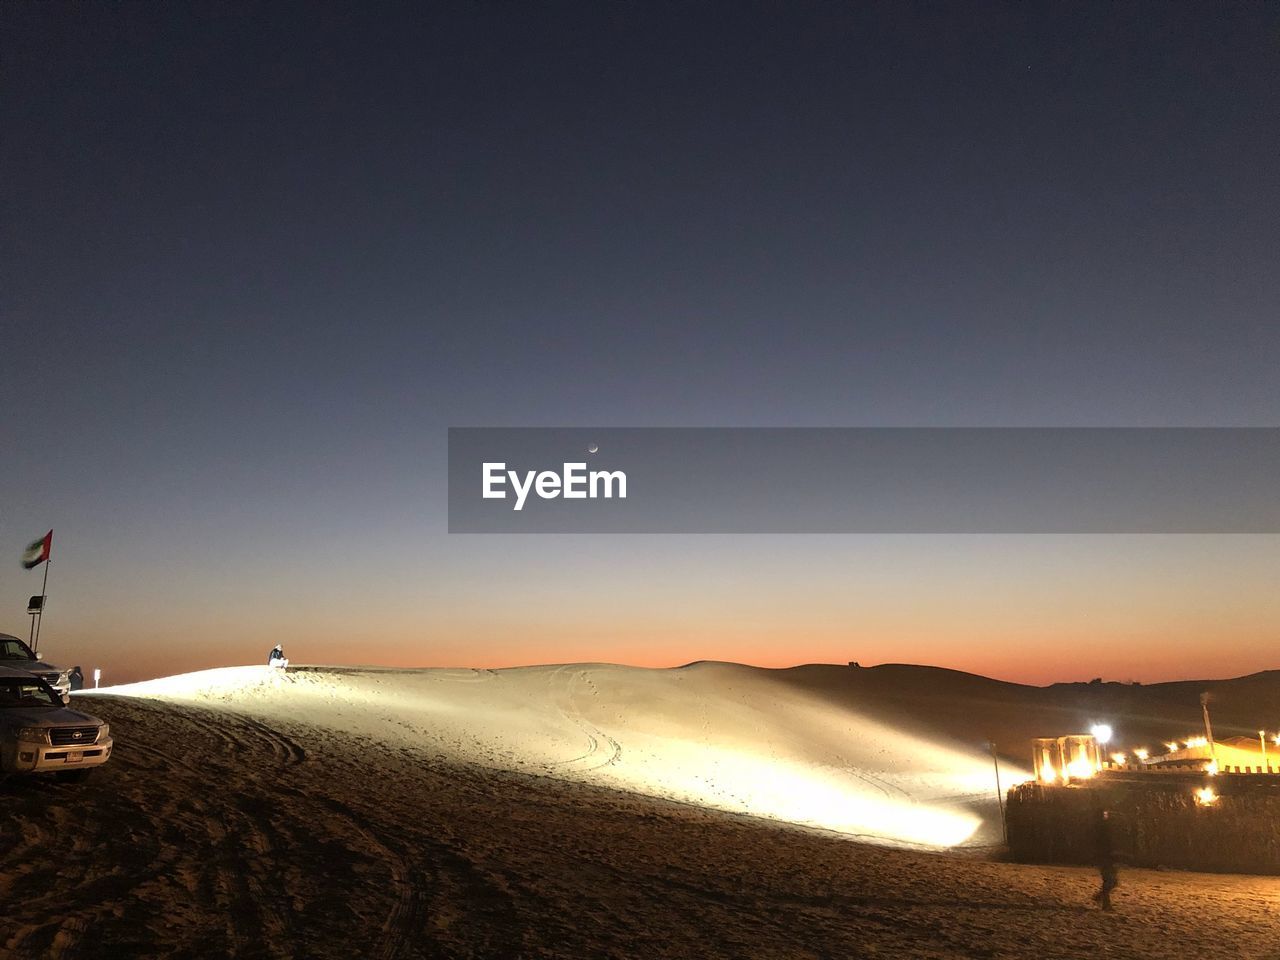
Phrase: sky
(255, 260)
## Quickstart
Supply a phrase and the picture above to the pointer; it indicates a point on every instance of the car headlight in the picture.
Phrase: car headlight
(34, 734)
(103, 732)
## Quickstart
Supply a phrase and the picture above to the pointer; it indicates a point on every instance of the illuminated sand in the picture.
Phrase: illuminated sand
(718, 735)
(342, 812)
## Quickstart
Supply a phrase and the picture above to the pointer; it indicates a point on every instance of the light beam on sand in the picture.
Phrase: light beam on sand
(831, 799)
(721, 738)
(218, 683)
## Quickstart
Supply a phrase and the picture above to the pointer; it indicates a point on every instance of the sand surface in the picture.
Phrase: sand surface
(570, 811)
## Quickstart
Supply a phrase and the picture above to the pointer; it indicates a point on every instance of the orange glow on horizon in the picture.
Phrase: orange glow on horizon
(1029, 609)
(136, 658)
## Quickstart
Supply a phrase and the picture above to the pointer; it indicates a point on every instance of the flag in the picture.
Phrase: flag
(38, 552)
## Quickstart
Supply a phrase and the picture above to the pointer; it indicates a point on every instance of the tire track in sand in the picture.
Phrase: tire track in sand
(405, 918)
(196, 808)
(602, 749)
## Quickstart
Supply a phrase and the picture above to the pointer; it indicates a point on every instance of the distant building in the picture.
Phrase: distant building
(1232, 754)
(1064, 759)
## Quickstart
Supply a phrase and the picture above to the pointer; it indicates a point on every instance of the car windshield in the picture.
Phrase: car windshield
(12, 648)
(15, 693)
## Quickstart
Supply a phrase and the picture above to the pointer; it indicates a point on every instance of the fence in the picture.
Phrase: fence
(1156, 821)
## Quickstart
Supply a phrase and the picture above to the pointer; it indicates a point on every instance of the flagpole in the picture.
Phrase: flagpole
(44, 591)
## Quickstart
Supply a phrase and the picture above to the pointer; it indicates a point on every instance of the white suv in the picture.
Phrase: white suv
(38, 734)
(15, 653)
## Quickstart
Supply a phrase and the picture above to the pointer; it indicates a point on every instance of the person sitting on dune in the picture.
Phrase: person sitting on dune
(276, 657)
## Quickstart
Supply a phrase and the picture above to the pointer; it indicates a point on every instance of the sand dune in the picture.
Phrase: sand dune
(576, 811)
(720, 735)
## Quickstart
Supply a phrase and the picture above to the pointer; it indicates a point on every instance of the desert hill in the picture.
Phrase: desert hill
(719, 735)
(950, 705)
(895, 753)
(582, 810)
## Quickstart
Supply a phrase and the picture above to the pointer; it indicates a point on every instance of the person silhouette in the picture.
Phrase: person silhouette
(76, 678)
(1104, 857)
(276, 657)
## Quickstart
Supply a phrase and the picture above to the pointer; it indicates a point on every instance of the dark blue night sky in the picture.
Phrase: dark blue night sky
(257, 258)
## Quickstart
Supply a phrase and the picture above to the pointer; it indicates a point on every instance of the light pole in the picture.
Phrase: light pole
(1004, 824)
(1208, 728)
